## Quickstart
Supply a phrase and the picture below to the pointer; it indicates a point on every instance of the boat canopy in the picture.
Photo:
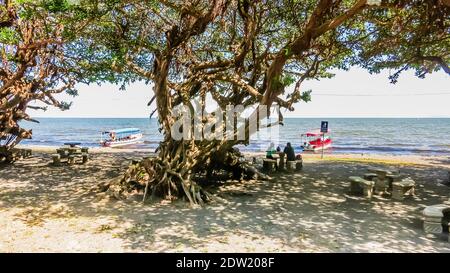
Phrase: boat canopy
(313, 133)
(124, 131)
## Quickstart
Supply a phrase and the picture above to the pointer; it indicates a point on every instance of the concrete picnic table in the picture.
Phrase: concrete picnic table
(382, 183)
(388, 171)
(279, 163)
(70, 151)
(279, 157)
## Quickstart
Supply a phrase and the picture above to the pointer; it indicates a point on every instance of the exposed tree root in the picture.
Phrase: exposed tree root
(157, 177)
(153, 179)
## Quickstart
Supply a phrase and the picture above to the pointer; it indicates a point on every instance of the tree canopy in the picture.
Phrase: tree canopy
(34, 67)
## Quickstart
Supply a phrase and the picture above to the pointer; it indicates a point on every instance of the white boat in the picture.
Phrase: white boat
(121, 137)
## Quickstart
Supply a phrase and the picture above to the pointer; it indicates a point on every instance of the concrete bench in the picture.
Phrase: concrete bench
(71, 159)
(402, 188)
(62, 152)
(394, 177)
(359, 185)
(381, 185)
(269, 164)
(296, 165)
(433, 218)
(370, 176)
(84, 157)
(71, 154)
(282, 162)
(391, 178)
(27, 153)
(56, 159)
(299, 165)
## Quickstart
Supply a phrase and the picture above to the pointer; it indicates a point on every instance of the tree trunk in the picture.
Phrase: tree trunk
(171, 174)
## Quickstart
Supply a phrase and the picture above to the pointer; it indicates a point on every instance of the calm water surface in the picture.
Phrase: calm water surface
(350, 135)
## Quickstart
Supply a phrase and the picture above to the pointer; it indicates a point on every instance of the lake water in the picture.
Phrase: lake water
(350, 135)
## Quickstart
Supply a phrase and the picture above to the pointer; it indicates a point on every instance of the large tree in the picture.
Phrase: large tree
(240, 52)
(34, 67)
(246, 53)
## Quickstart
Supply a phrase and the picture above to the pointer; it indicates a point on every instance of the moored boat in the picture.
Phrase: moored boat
(121, 137)
(315, 140)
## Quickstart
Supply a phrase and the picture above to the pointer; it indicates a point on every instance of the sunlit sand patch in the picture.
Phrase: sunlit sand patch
(61, 235)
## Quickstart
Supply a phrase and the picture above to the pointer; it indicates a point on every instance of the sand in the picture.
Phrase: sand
(58, 209)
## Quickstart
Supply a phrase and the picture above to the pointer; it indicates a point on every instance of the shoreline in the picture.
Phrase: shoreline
(46, 149)
(392, 159)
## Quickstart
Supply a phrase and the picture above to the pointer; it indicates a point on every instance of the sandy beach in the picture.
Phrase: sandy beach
(44, 208)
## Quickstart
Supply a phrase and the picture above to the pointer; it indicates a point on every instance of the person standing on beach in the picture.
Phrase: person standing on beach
(289, 151)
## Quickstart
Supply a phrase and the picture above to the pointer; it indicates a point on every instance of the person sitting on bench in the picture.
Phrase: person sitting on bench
(289, 151)
(270, 151)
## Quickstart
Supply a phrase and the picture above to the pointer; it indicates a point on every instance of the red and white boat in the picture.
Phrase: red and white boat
(314, 141)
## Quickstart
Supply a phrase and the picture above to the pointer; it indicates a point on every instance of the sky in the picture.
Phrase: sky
(353, 93)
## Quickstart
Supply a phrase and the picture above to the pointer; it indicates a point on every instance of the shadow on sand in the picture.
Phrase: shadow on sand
(302, 212)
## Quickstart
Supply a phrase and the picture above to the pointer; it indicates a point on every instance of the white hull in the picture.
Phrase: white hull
(317, 149)
(118, 143)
